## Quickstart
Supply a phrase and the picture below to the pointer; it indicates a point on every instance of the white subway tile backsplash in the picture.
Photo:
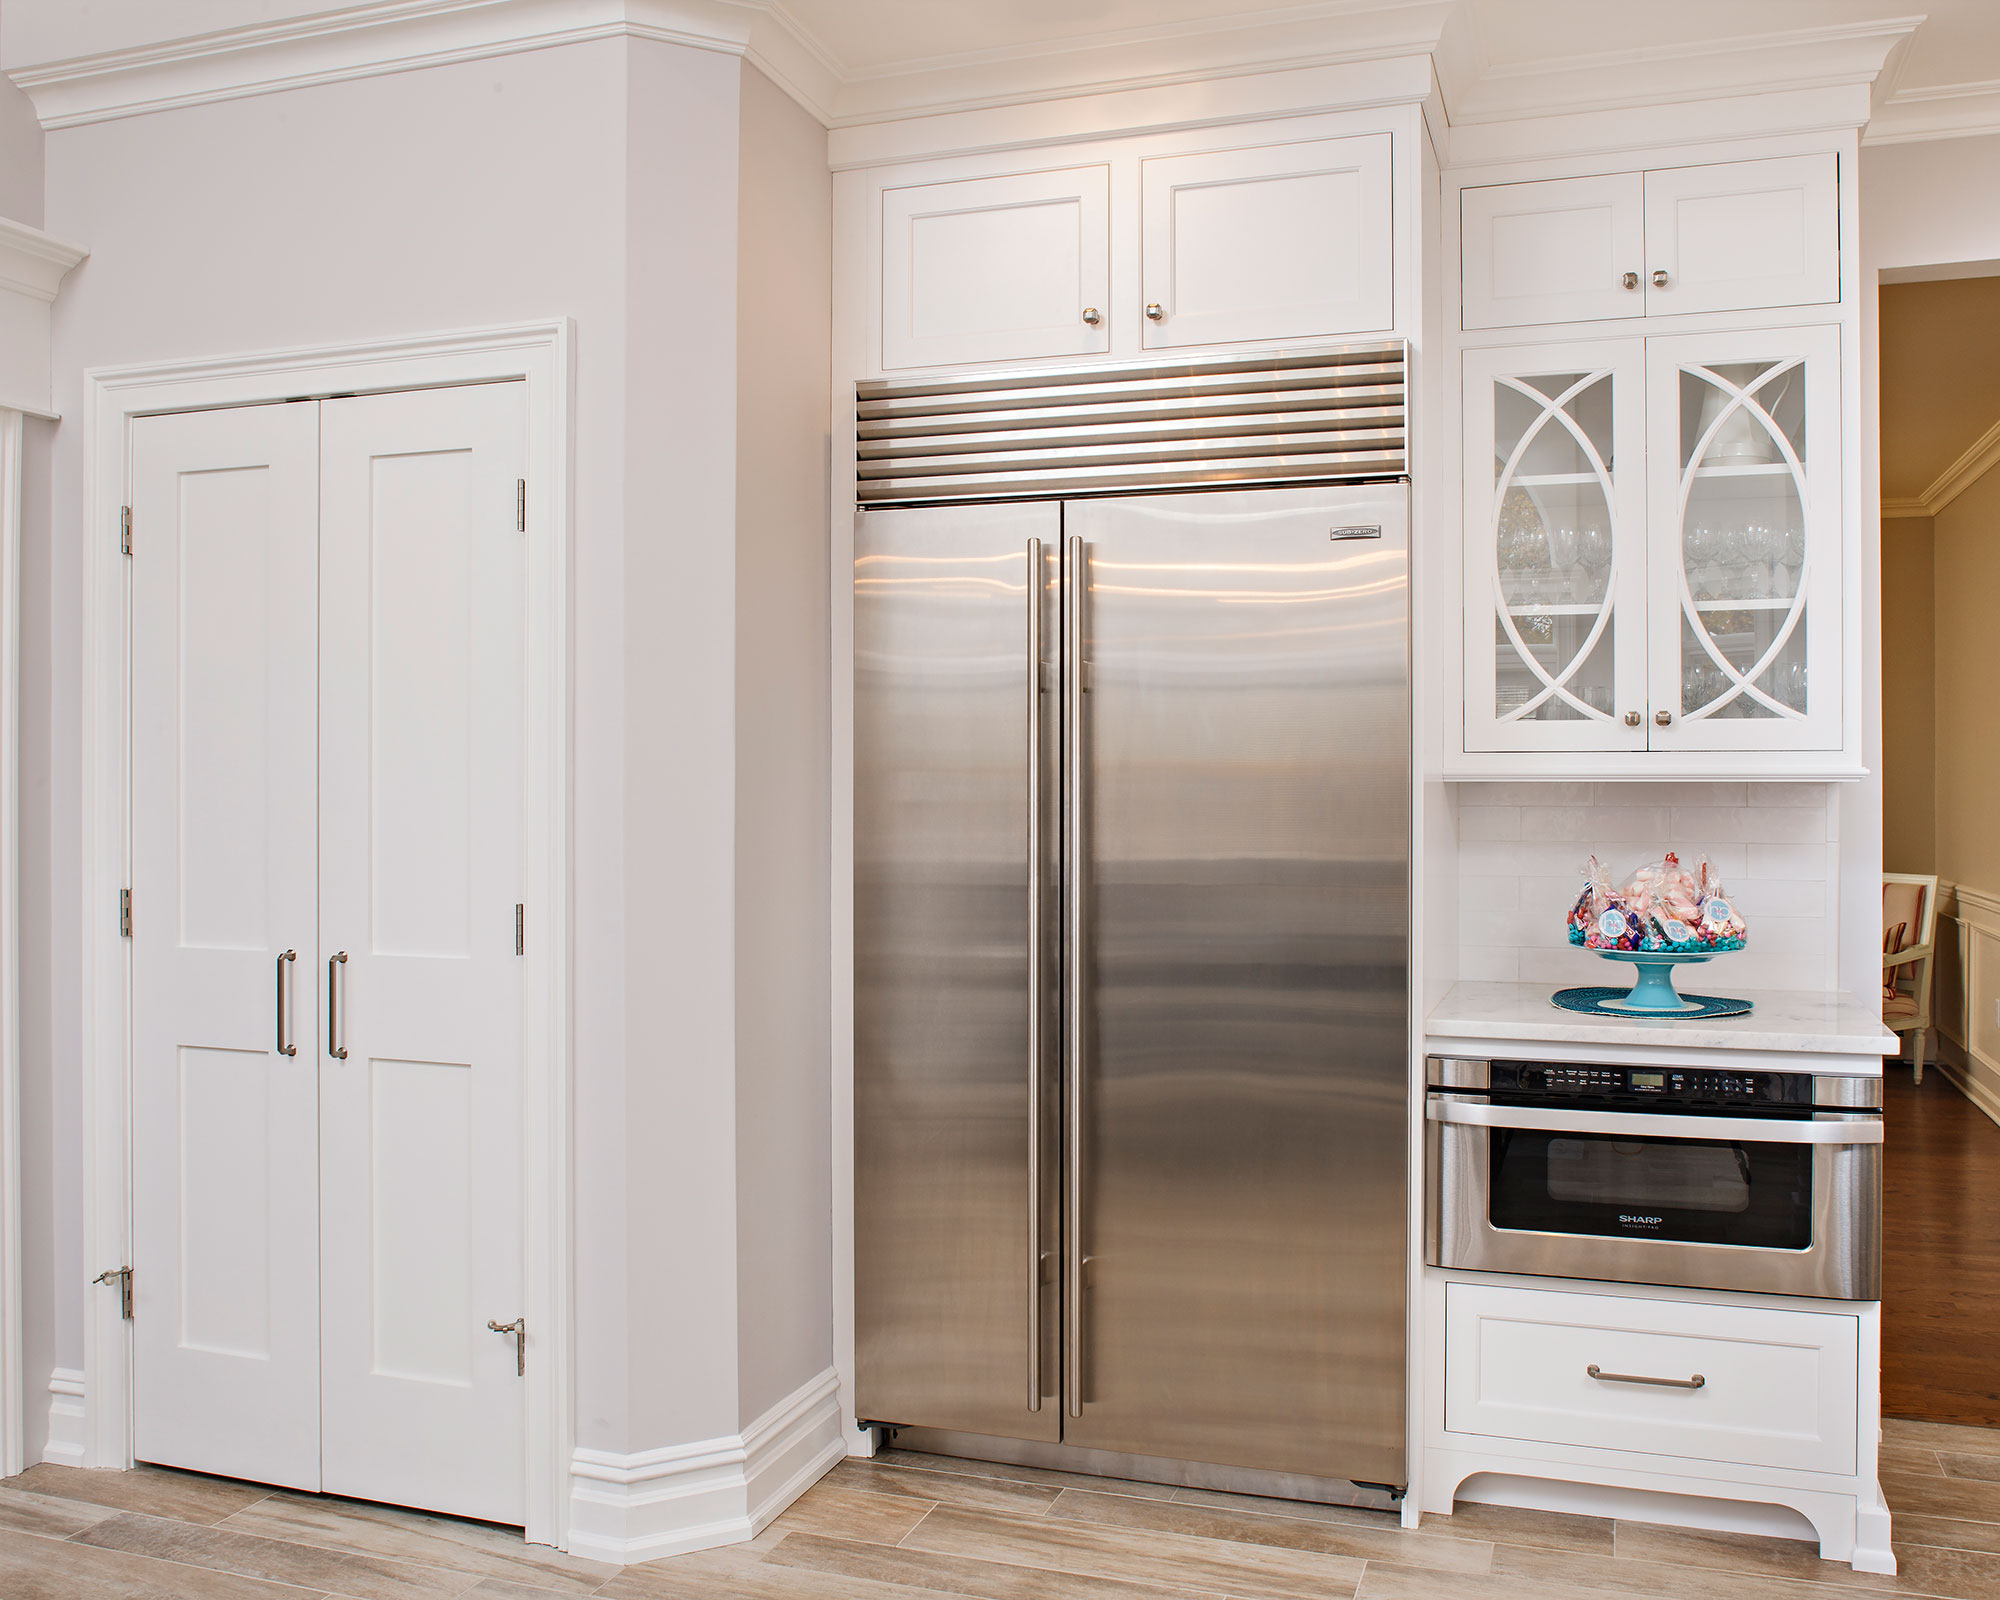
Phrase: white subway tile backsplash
(1489, 894)
(1753, 824)
(1522, 848)
(1484, 823)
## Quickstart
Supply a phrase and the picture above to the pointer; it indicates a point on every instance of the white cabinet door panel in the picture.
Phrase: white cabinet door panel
(996, 269)
(1745, 528)
(1778, 1388)
(224, 1127)
(1555, 547)
(421, 780)
(1278, 242)
(1742, 234)
(1554, 251)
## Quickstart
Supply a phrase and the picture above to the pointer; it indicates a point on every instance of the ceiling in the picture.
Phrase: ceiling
(1940, 379)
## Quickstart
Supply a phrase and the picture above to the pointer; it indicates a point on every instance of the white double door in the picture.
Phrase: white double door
(327, 748)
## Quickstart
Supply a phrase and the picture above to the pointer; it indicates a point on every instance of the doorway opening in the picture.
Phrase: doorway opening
(1940, 431)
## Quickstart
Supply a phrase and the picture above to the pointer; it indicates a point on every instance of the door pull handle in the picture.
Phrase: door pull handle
(1593, 1371)
(336, 1007)
(287, 959)
(1036, 981)
(1076, 583)
(519, 1329)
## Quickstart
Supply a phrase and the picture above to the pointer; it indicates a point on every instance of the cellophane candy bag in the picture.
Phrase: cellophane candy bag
(1666, 898)
(1721, 925)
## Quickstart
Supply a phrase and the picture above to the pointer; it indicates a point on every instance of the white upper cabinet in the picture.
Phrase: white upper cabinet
(1731, 236)
(1563, 250)
(1654, 549)
(1742, 235)
(1277, 242)
(996, 269)
(1555, 547)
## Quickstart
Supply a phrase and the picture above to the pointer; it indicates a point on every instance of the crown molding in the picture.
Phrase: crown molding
(1980, 458)
(1941, 111)
(32, 262)
(390, 36)
(1325, 33)
(1654, 75)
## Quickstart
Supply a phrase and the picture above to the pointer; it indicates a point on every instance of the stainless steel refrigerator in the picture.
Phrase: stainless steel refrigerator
(1131, 979)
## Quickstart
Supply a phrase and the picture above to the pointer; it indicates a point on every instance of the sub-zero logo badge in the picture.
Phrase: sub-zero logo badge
(1632, 1221)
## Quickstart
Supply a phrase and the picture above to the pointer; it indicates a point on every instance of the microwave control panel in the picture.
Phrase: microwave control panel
(1556, 1079)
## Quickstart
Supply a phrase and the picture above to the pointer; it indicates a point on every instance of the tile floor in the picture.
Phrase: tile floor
(908, 1527)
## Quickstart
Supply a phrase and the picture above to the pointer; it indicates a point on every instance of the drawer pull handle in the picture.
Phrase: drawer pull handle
(1696, 1382)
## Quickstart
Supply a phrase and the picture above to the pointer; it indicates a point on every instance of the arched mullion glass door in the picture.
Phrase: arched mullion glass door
(1746, 533)
(1555, 572)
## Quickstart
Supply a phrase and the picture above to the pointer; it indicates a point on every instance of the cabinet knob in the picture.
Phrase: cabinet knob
(1631, 280)
(1155, 312)
(1633, 719)
(1663, 718)
(1659, 277)
(1092, 316)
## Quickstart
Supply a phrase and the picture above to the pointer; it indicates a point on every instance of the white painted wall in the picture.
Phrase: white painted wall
(20, 149)
(784, 321)
(597, 181)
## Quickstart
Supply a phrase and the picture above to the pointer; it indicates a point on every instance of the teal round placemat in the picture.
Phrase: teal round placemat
(1590, 1002)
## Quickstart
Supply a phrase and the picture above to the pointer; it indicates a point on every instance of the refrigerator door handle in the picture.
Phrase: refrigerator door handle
(1075, 875)
(1036, 1008)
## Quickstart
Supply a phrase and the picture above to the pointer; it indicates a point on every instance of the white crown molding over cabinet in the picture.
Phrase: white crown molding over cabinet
(71, 85)
(668, 1502)
(539, 355)
(32, 268)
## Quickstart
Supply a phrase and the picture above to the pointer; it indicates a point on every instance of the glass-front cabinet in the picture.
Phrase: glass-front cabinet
(1744, 446)
(1653, 544)
(1555, 592)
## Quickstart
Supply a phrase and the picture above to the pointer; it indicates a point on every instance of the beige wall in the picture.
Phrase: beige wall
(1909, 681)
(1967, 543)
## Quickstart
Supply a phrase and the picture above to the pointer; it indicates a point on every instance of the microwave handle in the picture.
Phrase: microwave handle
(1660, 1125)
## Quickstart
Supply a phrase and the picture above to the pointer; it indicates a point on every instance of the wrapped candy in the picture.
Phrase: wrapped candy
(1664, 906)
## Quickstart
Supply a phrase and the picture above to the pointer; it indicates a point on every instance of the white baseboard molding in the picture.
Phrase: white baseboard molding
(66, 1418)
(667, 1502)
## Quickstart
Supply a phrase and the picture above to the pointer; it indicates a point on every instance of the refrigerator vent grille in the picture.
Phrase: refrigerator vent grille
(1318, 417)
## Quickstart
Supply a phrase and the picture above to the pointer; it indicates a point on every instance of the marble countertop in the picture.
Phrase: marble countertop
(1825, 1023)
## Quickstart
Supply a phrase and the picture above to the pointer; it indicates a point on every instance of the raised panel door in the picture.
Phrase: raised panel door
(1738, 235)
(1276, 242)
(1555, 547)
(421, 792)
(225, 1235)
(996, 269)
(1745, 531)
(1560, 250)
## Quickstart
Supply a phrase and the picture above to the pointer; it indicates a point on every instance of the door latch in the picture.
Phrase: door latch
(122, 1276)
(519, 1329)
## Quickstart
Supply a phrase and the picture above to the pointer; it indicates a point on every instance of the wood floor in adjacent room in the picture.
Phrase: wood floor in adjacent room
(908, 1527)
(1940, 1253)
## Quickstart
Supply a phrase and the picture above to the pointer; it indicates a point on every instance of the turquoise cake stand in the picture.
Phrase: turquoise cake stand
(1653, 995)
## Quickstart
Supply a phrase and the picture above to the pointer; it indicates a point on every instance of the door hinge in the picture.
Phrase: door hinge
(125, 529)
(124, 913)
(520, 929)
(520, 505)
(122, 1276)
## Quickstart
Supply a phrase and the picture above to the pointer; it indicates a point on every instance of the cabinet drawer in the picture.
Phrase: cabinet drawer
(1278, 242)
(1778, 1387)
(1554, 251)
(996, 269)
